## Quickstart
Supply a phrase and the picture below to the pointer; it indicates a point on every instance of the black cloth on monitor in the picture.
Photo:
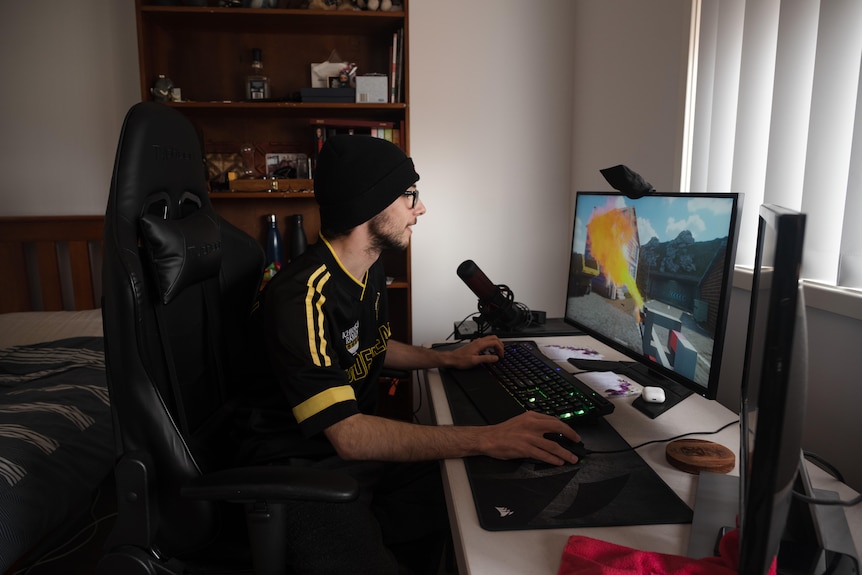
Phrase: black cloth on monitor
(624, 180)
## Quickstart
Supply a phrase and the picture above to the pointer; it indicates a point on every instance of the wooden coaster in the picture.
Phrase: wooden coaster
(696, 455)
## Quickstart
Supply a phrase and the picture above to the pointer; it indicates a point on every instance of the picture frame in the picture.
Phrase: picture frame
(322, 71)
(287, 165)
(341, 81)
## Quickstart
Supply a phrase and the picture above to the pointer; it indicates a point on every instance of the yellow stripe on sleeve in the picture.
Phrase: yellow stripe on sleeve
(314, 300)
(321, 401)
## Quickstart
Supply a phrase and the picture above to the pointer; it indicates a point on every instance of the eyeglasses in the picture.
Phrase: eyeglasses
(413, 194)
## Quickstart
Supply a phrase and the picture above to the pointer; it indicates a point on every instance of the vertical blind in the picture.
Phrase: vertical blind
(777, 115)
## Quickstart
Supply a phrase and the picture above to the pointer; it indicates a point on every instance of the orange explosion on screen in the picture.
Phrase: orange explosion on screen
(610, 231)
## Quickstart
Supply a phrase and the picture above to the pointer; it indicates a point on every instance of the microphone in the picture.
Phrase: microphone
(496, 302)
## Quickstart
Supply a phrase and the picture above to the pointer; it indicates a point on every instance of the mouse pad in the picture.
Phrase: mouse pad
(603, 490)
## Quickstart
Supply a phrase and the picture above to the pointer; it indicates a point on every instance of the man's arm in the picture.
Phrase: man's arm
(402, 356)
(367, 437)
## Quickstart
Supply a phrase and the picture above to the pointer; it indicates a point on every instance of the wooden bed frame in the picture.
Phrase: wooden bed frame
(50, 263)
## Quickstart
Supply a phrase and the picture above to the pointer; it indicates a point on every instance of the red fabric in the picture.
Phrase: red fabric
(588, 556)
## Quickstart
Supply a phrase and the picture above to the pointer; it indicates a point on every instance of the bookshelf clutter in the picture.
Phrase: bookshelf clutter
(260, 151)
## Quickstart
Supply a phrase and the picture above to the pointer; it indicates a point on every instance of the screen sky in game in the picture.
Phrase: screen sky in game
(662, 217)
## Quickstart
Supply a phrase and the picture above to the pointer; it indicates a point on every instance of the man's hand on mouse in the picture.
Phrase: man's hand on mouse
(522, 437)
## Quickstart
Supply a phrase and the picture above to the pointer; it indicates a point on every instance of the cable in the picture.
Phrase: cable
(833, 471)
(419, 404)
(48, 558)
(460, 323)
(634, 447)
(93, 524)
(491, 311)
(835, 502)
(824, 465)
(813, 500)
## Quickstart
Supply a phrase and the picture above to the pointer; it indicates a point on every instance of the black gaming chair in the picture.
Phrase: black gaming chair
(178, 283)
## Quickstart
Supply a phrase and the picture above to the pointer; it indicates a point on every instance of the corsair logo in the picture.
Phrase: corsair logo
(166, 153)
(203, 250)
(504, 511)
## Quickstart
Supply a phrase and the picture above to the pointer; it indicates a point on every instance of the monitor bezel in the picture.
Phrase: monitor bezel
(769, 457)
(710, 390)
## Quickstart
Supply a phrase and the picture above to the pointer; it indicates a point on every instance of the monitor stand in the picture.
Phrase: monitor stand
(673, 391)
(715, 510)
(817, 538)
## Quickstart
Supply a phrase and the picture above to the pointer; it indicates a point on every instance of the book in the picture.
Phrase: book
(393, 62)
(318, 139)
(351, 123)
(324, 128)
(399, 69)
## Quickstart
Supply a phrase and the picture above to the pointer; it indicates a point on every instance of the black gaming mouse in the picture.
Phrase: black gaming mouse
(575, 447)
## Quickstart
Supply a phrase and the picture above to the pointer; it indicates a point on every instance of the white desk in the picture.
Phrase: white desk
(539, 551)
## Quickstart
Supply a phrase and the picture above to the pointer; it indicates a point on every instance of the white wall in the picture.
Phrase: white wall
(501, 148)
(491, 87)
(630, 66)
(69, 73)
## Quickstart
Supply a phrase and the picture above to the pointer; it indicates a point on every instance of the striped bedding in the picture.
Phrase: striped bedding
(56, 443)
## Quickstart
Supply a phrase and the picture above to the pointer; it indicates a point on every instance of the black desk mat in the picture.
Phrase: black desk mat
(603, 490)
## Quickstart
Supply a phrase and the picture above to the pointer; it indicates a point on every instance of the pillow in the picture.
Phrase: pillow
(183, 252)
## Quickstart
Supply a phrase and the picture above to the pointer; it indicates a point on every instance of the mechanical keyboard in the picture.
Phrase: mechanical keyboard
(524, 379)
(524, 372)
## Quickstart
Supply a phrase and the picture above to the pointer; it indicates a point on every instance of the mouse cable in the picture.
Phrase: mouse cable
(644, 444)
(801, 497)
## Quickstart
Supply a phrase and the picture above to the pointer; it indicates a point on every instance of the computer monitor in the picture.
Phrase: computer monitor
(774, 386)
(651, 278)
(805, 538)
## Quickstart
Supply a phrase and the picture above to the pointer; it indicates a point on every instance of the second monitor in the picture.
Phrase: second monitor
(651, 278)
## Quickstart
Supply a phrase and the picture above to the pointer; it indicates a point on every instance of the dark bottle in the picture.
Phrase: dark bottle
(274, 249)
(256, 83)
(298, 241)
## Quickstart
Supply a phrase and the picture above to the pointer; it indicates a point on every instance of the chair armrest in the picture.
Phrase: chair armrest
(273, 483)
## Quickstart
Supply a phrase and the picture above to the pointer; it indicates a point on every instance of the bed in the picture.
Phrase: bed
(56, 440)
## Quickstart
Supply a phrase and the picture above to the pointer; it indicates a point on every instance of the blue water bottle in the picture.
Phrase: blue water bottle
(274, 253)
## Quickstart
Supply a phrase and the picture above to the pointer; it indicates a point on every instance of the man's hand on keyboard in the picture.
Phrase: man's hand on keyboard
(523, 437)
(483, 350)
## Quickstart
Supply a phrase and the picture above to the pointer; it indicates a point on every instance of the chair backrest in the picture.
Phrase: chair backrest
(178, 284)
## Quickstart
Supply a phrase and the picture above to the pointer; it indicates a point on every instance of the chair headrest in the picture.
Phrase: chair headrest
(160, 201)
(182, 252)
(159, 153)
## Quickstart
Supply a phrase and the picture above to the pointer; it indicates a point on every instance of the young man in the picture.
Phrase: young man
(325, 329)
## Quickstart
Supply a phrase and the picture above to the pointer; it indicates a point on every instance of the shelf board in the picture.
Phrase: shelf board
(269, 20)
(261, 195)
(303, 108)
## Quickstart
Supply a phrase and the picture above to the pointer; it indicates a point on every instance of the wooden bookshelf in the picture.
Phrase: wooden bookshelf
(206, 52)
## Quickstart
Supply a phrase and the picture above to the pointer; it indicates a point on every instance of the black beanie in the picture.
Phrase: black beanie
(357, 177)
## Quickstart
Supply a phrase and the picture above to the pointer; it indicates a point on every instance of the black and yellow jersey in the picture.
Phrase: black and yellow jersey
(325, 335)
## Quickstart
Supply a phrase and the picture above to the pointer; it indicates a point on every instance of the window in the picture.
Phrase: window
(777, 115)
